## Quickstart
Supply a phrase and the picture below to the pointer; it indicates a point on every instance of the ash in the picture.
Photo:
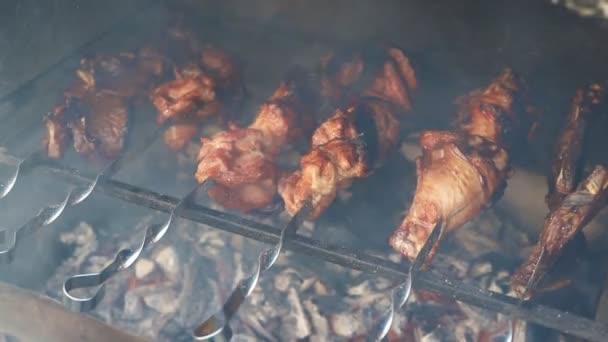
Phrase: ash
(188, 274)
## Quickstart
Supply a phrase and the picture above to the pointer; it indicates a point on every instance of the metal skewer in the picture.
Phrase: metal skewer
(23, 166)
(401, 293)
(219, 322)
(37, 157)
(45, 216)
(123, 260)
(76, 195)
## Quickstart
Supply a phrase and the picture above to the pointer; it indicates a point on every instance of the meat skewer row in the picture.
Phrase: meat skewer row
(95, 112)
(462, 172)
(354, 140)
(571, 207)
(242, 160)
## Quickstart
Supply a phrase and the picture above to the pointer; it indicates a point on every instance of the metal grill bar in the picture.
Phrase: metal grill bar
(551, 318)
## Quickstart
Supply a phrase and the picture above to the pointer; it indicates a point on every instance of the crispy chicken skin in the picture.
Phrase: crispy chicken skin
(357, 138)
(241, 160)
(462, 172)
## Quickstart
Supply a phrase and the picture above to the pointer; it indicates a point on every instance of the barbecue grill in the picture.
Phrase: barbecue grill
(136, 244)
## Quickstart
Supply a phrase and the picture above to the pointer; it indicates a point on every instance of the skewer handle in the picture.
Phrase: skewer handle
(219, 322)
(401, 293)
(123, 260)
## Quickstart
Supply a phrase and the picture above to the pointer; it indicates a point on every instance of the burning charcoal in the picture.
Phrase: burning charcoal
(210, 243)
(317, 286)
(295, 325)
(243, 338)
(347, 324)
(258, 327)
(239, 272)
(479, 269)
(283, 259)
(320, 325)
(144, 267)
(97, 263)
(168, 261)
(360, 290)
(84, 240)
(286, 279)
(133, 308)
(438, 335)
(320, 289)
(164, 301)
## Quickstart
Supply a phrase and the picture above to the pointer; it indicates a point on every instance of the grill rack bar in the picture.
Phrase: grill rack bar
(562, 321)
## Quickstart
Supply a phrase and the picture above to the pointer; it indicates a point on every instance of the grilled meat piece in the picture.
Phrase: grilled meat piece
(56, 136)
(565, 169)
(383, 73)
(339, 72)
(571, 207)
(95, 109)
(191, 89)
(346, 146)
(324, 171)
(106, 122)
(461, 173)
(209, 87)
(125, 74)
(357, 139)
(241, 160)
(97, 122)
(563, 223)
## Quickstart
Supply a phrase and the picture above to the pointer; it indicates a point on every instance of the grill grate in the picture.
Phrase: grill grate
(545, 316)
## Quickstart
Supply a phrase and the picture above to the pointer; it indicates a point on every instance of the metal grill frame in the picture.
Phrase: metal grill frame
(562, 321)
(558, 320)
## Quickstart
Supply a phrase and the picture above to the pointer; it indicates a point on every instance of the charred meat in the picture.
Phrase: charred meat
(572, 203)
(94, 114)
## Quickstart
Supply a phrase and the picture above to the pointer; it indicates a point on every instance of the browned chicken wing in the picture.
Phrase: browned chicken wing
(241, 160)
(463, 172)
(356, 139)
